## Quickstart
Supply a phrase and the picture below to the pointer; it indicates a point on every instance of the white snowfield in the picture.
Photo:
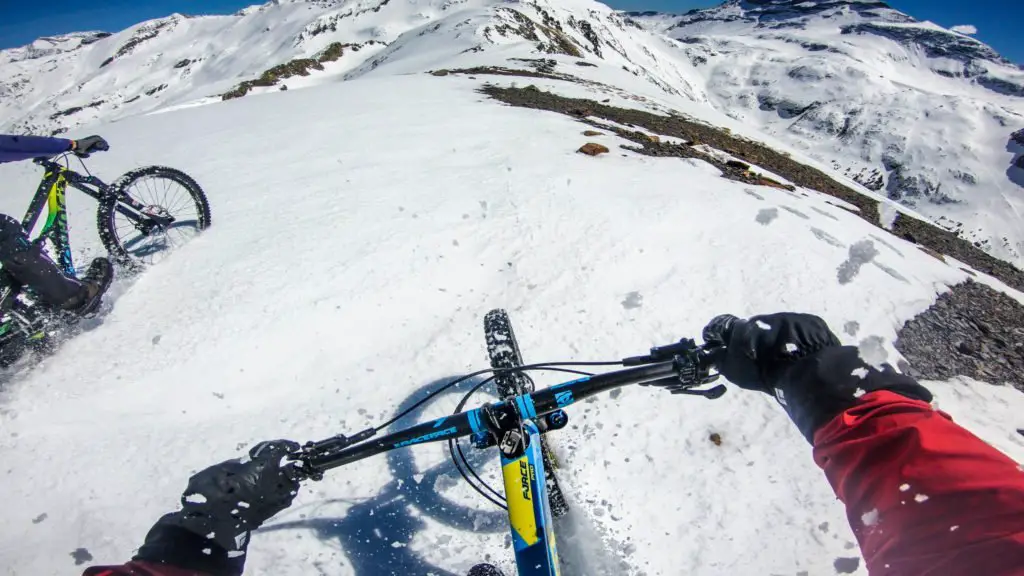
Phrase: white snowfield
(361, 230)
(918, 112)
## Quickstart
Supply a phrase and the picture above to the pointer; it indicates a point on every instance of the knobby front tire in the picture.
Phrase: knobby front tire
(162, 189)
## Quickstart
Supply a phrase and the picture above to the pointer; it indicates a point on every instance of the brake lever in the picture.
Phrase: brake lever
(693, 366)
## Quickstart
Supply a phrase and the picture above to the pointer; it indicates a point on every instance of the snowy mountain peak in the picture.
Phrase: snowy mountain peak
(51, 45)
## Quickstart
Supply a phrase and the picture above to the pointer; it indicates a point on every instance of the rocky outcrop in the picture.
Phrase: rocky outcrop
(1018, 137)
(297, 67)
(972, 330)
(936, 43)
(145, 33)
(593, 149)
(550, 37)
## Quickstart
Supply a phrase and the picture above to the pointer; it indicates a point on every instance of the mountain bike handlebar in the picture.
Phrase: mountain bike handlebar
(680, 367)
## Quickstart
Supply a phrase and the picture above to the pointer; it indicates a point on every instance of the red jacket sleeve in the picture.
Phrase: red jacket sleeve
(924, 496)
(136, 568)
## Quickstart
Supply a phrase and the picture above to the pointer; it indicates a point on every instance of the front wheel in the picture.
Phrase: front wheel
(170, 209)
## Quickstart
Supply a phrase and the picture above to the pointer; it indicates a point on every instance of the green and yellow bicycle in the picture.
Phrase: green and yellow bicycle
(142, 216)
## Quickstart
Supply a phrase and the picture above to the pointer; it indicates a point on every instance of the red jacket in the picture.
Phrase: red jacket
(924, 496)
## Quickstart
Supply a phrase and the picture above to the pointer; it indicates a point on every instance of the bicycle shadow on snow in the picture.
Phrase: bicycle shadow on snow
(375, 533)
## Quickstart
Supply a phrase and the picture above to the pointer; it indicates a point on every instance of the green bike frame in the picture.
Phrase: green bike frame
(51, 192)
(51, 196)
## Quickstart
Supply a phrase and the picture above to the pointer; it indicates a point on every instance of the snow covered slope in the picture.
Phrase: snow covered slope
(907, 108)
(351, 261)
(903, 106)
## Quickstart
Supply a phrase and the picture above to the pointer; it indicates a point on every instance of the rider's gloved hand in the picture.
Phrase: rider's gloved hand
(798, 359)
(758, 351)
(220, 507)
(88, 145)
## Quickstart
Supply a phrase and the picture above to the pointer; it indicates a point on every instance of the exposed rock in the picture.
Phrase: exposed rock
(543, 65)
(144, 33)
(738, 164)
(76, 109)
(592, 133)
(301, 67)
(1018, 136)
(943, 242)
(439, 73)
(270, 77)
(585, 63)
(525, 27)
(182, 63)
(593, 149)
(715, 438)
(1020, 162)
(936, 43)
(932, 253)
(972, 331)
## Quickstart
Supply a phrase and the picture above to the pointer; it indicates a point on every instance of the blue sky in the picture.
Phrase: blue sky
(998, 21)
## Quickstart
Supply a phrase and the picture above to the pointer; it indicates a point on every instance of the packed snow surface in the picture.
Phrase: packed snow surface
(361, 231)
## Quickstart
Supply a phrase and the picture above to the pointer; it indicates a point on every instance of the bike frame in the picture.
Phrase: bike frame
(512, 427)
(51, 195)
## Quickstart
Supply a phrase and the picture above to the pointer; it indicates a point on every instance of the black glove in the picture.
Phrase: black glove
(220, 507)
(86, 146)
(796, 358)
(758, 351)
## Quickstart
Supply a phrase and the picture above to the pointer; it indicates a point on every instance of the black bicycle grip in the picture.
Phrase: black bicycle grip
(719, 329)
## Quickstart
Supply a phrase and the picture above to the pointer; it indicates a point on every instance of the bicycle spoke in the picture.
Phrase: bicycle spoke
(163, 199)
(168, 198)
(145, 181)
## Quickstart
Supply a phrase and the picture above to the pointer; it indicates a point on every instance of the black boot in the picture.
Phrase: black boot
(94, 285)
(485, 570)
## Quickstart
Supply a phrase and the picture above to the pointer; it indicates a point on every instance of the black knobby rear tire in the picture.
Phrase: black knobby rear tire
(503, 351)
(106, 213)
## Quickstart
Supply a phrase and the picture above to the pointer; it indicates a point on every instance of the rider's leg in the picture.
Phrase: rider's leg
(29, 264)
